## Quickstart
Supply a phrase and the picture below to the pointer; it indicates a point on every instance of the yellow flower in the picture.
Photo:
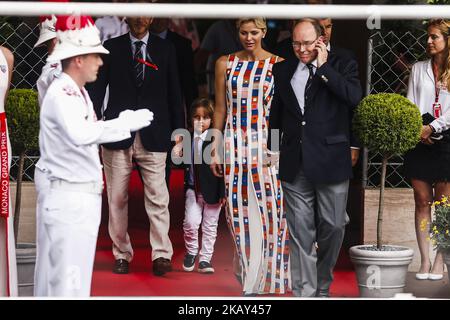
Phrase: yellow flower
(437, 203)
(436, 232)
(434, 228)
(423, 225)
(428, 238)
(444, 199)
(446, 232)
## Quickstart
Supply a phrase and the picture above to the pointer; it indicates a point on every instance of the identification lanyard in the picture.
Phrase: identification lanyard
(437, 107)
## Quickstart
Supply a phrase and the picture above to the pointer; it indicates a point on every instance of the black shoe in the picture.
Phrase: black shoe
(121, 266)
(238, 278)
(249, 294)
(189, 262)
(205, 267)
(322, 294)
(161, 266)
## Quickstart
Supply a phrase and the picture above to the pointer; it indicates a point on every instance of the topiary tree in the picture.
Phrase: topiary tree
(389, 124)
(22, 110)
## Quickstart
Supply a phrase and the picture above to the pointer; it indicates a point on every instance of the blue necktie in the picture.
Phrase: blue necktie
(138, 66)
(311, 74)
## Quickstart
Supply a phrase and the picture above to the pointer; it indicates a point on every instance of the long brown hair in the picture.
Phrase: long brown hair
(444, 27)
(201, 103)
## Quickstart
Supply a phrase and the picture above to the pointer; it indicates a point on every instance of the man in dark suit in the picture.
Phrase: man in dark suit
(185, 63)
(185, 59)
(315, 93)
(141, 72)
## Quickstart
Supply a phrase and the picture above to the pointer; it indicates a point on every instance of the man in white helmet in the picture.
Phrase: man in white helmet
(69, 138)
(50, 71)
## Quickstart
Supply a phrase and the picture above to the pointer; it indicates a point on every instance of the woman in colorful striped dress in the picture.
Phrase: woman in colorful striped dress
(255, 215)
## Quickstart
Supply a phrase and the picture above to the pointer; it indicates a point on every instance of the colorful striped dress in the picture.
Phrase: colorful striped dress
(255, 212)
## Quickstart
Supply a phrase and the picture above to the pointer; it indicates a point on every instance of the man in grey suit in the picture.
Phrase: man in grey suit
(315, 94)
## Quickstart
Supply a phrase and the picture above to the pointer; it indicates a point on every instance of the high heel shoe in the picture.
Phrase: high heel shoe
(424, 275)
(435, 276)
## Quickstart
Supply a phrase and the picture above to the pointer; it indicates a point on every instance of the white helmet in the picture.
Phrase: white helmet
(76, 35)
(47, 30)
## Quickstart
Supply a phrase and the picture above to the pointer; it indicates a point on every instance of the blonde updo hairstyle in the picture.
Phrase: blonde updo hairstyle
(260, 23)
(444, 27)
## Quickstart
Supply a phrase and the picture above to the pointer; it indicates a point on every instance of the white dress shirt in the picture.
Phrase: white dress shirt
(70, 133)
(298, 82)
(421, 91)
(202, 136)
(111, 27)
(143, 47)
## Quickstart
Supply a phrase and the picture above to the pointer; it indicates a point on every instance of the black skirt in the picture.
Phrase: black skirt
(429, 163)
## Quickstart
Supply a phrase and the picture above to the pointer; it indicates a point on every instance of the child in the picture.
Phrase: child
(204, 193)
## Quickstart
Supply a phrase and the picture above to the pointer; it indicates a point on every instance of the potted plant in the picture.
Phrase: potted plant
(22, 109)
(440, 229)
(388, 124)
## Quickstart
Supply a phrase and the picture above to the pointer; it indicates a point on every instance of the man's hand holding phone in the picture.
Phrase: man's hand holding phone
(322, 52)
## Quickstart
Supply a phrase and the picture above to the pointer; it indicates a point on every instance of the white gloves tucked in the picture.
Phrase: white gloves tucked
(136, 120)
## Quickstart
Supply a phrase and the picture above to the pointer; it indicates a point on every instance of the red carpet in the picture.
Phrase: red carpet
(141, 281)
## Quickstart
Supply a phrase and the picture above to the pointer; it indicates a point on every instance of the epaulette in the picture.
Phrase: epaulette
(70, 91)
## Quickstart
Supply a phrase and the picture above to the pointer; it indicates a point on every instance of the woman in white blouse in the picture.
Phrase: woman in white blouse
(428, 164)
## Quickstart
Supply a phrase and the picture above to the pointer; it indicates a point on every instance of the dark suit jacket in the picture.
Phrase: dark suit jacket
(160, 92)
(211, 187)
(185, 62)
(318, 140)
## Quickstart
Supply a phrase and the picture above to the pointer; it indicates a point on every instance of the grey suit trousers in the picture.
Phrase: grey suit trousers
(315, 212)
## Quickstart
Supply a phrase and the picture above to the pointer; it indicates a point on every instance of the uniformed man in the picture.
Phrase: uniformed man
(51, 71)
(69, 138)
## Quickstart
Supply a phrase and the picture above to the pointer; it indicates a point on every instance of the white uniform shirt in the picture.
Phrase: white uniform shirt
(70, 133)
(421, 91)
(50, 72)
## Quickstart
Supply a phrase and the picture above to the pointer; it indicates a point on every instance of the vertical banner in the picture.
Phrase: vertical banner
(4, 178)
(4, 188)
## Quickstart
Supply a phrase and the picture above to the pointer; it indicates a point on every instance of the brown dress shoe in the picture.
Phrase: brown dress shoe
(121, 266)
(161, 266)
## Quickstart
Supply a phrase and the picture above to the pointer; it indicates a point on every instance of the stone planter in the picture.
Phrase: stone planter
(381, 274)
(26, 260)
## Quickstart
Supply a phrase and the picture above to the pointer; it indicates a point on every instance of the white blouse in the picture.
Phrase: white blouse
(421, 91)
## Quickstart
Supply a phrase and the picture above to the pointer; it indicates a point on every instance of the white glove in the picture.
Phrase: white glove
(136, 120)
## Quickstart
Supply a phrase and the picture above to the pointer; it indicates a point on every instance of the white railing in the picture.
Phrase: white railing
(215, 11)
